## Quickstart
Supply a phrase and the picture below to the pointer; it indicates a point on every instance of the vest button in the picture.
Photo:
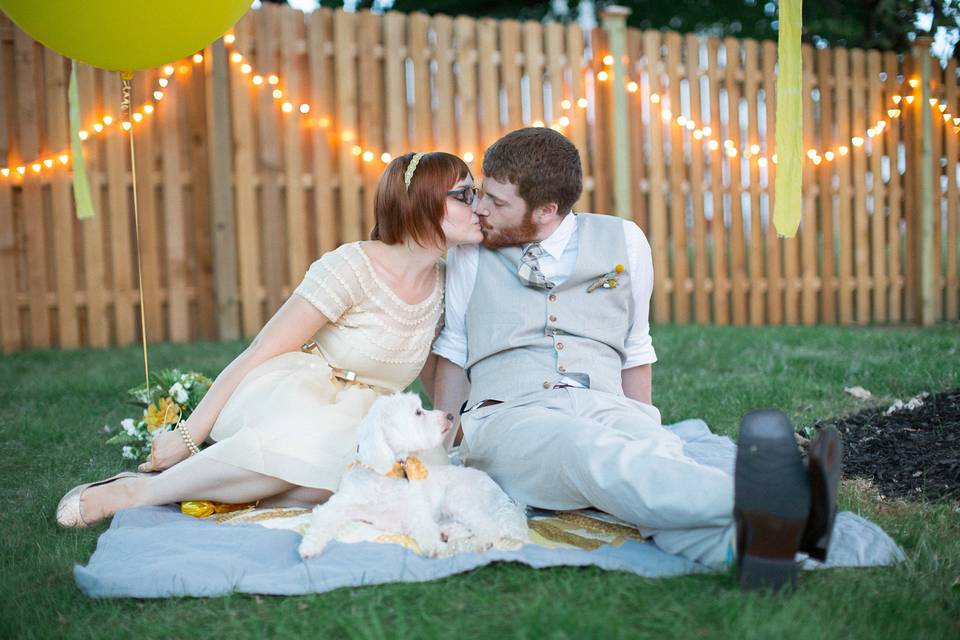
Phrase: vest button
(559, 346)
(546, 385)
(562, 369)
(553, 318)
(552, 297)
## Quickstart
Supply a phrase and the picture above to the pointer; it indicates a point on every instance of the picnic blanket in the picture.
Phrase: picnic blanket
(157, 552)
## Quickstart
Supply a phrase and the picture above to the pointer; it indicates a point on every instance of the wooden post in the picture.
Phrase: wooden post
(615, 24)
(222, 222)
(925, 301)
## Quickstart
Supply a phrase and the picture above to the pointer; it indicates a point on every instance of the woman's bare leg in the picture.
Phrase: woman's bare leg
(306, 497)
(196, 478)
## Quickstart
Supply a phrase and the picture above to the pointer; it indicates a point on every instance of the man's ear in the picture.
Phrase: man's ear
(373, 450)
(545, 213)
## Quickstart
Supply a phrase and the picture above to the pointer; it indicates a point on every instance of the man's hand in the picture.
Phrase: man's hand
(452, 389)
(638, 383)
(168, 449)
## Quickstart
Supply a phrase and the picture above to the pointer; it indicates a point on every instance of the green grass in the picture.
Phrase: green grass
(54, 405)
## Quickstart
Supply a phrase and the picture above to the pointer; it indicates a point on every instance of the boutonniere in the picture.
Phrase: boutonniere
(608, 280)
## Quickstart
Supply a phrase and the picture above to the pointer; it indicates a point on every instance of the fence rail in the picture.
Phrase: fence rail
(237, 195)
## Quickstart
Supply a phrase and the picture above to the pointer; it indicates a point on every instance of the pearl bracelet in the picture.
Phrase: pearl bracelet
(187, 440)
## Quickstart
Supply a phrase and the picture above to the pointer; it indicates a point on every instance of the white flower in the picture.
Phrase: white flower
(178, 393)
(129, 453)
(128, 427)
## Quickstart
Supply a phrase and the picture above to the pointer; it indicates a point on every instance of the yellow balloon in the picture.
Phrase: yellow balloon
(125, 35)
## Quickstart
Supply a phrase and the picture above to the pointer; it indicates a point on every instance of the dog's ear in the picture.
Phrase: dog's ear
(373, 450)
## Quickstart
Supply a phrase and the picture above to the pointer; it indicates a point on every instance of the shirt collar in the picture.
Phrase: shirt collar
(556, 242)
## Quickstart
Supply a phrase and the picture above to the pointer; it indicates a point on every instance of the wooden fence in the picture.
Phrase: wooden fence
(238, 193)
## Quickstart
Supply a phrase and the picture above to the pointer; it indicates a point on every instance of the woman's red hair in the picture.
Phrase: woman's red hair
(415, 212)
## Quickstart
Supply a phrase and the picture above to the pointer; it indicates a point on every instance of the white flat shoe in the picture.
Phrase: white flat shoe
(68, 511)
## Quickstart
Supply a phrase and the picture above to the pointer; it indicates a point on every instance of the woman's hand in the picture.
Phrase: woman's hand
(168, 449)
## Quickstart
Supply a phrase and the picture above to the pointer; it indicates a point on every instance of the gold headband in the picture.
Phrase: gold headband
(408, 176)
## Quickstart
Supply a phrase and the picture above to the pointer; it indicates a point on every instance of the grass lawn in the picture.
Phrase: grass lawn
(55, 404)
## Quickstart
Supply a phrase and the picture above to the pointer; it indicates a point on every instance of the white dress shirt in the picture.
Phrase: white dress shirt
(556, 264)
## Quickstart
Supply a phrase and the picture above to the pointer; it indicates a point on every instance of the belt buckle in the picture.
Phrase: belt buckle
(343, 374)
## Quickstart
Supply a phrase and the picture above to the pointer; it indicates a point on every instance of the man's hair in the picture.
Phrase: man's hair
(543, 164)
(417, 211)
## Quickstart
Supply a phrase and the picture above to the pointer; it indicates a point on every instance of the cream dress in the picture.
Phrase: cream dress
(291, 418)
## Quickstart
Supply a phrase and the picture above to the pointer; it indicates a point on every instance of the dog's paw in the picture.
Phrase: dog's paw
(311, 546)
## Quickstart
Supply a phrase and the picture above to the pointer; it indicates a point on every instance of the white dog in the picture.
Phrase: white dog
(442, 508)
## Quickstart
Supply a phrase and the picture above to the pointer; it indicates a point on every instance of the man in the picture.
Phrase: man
(546, 352)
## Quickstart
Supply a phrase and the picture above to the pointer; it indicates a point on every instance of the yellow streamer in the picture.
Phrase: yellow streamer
(789, 134)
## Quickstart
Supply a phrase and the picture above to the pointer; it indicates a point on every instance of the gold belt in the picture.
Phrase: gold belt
(344, 376)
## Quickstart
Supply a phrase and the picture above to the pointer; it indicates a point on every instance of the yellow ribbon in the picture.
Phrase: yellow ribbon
(789, 133)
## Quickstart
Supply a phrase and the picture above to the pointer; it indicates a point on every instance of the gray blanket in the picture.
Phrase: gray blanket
(156, 552)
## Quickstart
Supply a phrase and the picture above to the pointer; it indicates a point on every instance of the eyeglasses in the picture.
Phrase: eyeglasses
(466, 195)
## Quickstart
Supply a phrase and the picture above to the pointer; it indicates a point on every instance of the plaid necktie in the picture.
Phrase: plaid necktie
(529, 269)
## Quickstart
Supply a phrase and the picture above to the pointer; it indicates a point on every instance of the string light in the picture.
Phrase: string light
(702, 133)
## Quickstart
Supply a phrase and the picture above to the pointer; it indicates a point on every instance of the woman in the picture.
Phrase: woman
(284, 414)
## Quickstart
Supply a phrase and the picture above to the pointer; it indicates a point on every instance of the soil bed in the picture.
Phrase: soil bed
(912, 454)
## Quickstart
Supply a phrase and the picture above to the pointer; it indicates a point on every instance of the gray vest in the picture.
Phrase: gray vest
(523, 339)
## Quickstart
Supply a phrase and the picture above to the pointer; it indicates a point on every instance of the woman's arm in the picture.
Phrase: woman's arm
(294, 324)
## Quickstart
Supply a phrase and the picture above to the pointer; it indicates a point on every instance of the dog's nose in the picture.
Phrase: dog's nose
(450, 417)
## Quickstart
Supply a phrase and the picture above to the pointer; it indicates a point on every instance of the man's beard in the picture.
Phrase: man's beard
(519, 234)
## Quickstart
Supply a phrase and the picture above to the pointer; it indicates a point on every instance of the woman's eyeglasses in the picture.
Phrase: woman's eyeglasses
(466, 195)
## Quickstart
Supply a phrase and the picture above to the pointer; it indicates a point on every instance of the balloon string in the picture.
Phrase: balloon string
(126, 79)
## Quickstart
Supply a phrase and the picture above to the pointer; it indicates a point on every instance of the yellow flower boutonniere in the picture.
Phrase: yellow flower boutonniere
(608, 280)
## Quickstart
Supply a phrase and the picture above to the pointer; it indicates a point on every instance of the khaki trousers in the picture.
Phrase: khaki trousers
(575, 448)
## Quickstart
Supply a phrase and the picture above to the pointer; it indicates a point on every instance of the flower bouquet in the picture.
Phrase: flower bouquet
(172, 396)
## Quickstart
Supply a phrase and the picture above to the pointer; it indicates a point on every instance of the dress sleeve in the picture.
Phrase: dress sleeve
(332, 284)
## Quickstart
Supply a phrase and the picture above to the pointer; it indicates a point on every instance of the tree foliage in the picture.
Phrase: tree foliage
(874, 24)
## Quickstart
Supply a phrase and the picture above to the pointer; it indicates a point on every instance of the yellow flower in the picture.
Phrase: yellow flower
(619, 268)
(168, 412)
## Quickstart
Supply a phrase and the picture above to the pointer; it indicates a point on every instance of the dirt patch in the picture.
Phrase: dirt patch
(911, 453)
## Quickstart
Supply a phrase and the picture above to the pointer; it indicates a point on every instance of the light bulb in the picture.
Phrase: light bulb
(197, 58)
(385, 158)
(468, 157)
(565, 104)
(564, 121)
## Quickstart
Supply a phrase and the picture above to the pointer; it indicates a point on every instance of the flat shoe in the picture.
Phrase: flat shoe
(771, 501)
(68, 511)
(824, 465)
